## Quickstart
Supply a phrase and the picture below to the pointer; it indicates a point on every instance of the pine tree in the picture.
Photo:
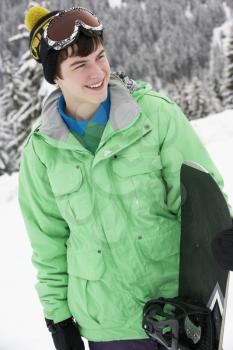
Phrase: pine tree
(20, 103)
(194, 97)
(213, 92)
(198, 100)
(180, 94)
(227, 88)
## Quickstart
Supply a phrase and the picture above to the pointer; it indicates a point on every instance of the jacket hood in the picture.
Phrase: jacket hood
(143, 87)
(124, 93)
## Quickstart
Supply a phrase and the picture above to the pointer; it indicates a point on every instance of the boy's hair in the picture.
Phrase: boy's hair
(84, 47)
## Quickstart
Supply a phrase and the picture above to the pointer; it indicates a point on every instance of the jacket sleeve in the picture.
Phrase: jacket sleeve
(179, 143)
(48, 233)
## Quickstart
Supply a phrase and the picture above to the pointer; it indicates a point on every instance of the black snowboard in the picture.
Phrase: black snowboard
(204, 213)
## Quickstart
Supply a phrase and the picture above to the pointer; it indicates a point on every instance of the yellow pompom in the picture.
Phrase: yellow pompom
(33, 15)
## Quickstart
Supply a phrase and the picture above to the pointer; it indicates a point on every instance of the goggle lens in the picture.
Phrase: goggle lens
(62, 26)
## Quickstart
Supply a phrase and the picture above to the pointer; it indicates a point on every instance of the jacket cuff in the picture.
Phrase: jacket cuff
(59, 315)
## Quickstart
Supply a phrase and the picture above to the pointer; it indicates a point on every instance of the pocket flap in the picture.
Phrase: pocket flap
(85, 264)
(161, 244)
(66, 179)
(136, 165)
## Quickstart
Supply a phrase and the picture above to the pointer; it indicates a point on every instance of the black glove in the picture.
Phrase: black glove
(65, 334)
(222, 248)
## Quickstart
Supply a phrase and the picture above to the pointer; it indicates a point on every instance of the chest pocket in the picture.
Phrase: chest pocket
(142, 177)
(66, 182)
(73, 194)
(65, 179)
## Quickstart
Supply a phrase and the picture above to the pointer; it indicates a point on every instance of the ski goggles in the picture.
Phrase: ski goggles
(65, 26)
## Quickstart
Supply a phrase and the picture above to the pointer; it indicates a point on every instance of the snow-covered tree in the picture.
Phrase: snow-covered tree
(20, 103)
(196, 98)
(227, 88)
(218, 58)
(179, 92)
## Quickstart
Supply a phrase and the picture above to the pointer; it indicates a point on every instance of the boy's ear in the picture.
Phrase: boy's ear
(56, 80)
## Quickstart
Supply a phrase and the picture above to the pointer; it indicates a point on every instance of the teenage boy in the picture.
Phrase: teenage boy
(99, 188)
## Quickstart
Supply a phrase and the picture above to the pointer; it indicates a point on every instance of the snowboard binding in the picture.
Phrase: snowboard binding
(179, 324)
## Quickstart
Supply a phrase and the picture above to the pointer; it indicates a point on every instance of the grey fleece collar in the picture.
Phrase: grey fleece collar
(122, 112)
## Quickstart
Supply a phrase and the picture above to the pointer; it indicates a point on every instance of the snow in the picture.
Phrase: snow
(188, 12)
(221, 35)
(22, 325)
(115, 3)
(227, 11)
(216, 132)
(143, 6)
(28, 65)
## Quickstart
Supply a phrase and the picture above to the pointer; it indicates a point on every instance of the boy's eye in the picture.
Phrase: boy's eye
(82, 65)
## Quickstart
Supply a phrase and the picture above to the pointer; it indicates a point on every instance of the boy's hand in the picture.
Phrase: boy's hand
(65, 335)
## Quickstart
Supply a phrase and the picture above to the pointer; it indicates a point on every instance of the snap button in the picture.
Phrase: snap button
(99, 251)
(115, 156)
(147, 126)
(139, 237)
(77, 166)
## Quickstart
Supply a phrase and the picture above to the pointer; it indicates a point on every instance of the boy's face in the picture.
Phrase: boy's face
(79, 74)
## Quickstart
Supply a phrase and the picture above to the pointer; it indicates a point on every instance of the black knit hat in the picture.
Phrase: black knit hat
(49, 61)
(35, 20)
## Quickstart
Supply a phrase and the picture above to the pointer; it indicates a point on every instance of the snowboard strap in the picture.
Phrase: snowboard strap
(179, 324)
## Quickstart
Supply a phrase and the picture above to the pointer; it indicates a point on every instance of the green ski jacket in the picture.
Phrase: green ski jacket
(105, 227)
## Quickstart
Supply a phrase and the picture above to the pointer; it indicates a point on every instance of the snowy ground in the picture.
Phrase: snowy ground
(21, 323)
